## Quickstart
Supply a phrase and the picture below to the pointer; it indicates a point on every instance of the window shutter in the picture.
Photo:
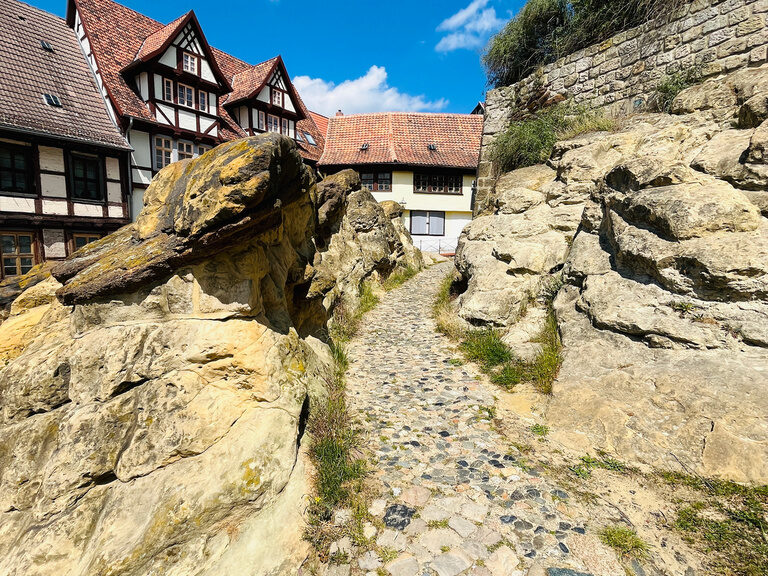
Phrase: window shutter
(418, 222)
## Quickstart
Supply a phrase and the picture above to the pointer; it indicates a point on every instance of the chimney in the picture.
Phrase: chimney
(339, 113)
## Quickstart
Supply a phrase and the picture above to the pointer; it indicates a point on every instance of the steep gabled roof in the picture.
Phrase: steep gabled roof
(405, 139)
(28, 71)
(158, 41)
(320, 120)
(249, 82)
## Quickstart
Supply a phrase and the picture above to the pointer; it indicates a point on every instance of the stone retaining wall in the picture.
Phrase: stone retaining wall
(622, 73)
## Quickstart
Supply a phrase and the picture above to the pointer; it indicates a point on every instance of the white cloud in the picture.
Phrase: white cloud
(369, 93)
(469, 28)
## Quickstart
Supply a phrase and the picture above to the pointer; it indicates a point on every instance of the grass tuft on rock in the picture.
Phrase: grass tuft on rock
(671, 85)
(443, 312)
(625, 541)
(531, 141)
(399, 277)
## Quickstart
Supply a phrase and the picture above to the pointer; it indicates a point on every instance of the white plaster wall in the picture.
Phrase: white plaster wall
(141, 176)
(53, 185)
(169, 113)
(205, 123)
(289, 104)
(454, 225)
(142, 151)
(53, 242)
(137, 203)
(158, 80)
(188, 120)
(264, 94)
(113, 168)
(205, 71)
(58, 207)
(14, 204)
(143, 83)
(89, 210)
(114, 193)
(51, 158)
(115, 211)
(169, 58)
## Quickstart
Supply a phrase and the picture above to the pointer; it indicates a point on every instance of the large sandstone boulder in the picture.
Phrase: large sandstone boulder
(152, 415)
(664, 306)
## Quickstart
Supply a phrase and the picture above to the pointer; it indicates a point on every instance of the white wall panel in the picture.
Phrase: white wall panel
(114, 193)
(51, 159)
(264, 94)
(115, 211)
(90, 210)
(142, 151)
(168, 112)
(53, 241)
(113, 168)
(188, 120)
(141, 176)
(205, 71)
(205, 123)
(169, 58)
(13, 204)
(55, 207)
(53, 185)
(137, 203)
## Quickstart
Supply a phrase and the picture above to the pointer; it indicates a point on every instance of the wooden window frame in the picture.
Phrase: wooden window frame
(378, 181)
(429, 217)
(18, 255)
(90, 236)
(194, 58)
(276, 123)
(29, 157)
(74, 158)
(168, 90)
(202, 100)
(277, 92)
(179, 87)
(188, 152)
(438, 183)
(262, 120)
(155, 149)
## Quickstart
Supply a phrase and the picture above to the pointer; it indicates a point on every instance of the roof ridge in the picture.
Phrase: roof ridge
(40, 10)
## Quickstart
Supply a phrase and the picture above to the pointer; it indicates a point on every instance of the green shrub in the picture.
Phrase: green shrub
(545, 30)
(625, 541)
(531, 141)
(671, 85)
(486, 348)
(399, 277)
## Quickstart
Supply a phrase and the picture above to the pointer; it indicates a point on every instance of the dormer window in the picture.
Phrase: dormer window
(189, 63)
(167, 90)
(186, 96)
(202, 99)
(273, 123)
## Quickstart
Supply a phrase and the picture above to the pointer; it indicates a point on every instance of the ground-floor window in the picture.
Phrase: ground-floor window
(18, 252)
(80, 240)
(427, 223)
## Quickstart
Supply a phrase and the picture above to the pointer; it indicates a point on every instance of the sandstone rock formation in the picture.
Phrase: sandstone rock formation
(659, 233)
(155, 390)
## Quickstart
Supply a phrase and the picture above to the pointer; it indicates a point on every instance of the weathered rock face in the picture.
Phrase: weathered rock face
(152, 411)
(657, 232)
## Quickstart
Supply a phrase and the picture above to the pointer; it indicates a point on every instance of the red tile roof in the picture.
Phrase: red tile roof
(157, 40)
(118, 35)
(404, 138)
(320, 120)
(28, 71)
(245, 83)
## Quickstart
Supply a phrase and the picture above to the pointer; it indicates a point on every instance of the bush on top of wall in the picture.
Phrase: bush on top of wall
(545, 30)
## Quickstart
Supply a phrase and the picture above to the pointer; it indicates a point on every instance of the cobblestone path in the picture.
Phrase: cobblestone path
(453, 501)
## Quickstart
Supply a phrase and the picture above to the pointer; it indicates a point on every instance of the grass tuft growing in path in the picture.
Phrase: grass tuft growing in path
(625, 541)
(399, 277)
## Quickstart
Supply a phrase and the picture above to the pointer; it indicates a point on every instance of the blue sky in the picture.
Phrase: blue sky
(357, 55)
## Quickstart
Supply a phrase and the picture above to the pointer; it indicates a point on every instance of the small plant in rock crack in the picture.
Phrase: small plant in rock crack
(683, 307)
(487, 412)
(540, 430)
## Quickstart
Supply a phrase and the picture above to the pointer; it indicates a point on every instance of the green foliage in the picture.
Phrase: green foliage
(625, 541)
(671, 85)
(531, 141)
(346, 322)
(486, 348)
(399, 277)
(443, 313)
(540, 430)
(545, 30)
(368, 299)
(605, 462)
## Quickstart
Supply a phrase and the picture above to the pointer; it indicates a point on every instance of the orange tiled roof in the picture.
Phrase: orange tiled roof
(119, 35)
(321, 121)
(246, 82)
(404, 138)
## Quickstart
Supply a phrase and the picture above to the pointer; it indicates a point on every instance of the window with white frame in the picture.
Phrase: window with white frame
(163, 152)
(167, 89)
(285, 127)
(377, 181)
(202, 99)
(202, 150)
(277, 98)
(273, 123)
(427, 223)
(186, 96)
(262, 121)
(186, 150)
(189, 63)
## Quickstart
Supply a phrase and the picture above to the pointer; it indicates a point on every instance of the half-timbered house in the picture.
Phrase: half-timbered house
(425, 162)
(63, 162)
(175, 97)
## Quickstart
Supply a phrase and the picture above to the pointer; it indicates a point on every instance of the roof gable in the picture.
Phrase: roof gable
(249, 83)
(408, 139)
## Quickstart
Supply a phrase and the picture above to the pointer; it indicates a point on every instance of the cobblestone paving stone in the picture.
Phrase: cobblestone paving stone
(453, 501)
